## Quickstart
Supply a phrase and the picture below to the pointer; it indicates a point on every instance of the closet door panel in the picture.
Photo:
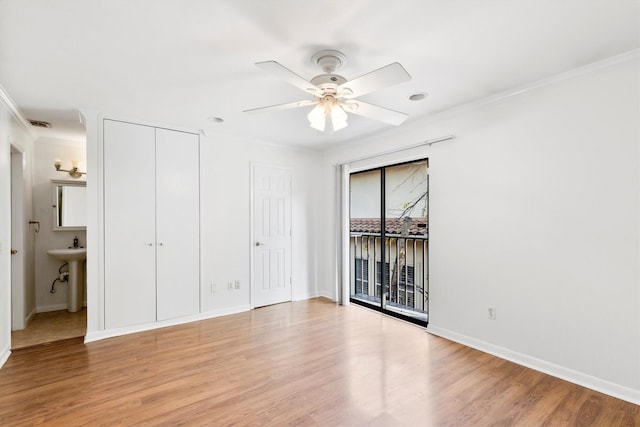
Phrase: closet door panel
(129, 222)
(178, 223)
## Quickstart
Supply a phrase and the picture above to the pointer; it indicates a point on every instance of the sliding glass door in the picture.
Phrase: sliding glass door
(389, 239)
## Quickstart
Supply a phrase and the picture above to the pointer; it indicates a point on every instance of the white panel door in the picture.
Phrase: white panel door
(271, 279)
(178, 223)
(129, 224)
(18, 248)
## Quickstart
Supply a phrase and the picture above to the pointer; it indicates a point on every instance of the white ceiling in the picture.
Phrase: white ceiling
(182, 61)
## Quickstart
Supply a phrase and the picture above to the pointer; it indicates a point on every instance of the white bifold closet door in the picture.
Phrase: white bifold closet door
(177, 224)
(129, 224)
(151, 224)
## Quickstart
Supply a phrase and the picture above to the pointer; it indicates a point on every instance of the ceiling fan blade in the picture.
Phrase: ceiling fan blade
(289, 76)
(388, 75)
(288, 105)
(374, 112)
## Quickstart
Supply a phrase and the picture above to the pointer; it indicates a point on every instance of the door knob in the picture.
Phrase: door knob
(259, 244)
(14, 251)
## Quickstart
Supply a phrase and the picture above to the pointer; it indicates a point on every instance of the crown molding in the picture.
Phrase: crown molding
(632, 55)
(579, 71)
(457, 110)
(10, 104)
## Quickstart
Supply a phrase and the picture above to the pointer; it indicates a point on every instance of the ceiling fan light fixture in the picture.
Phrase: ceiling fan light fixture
(327, 107)
(317, 117)
(338, 117)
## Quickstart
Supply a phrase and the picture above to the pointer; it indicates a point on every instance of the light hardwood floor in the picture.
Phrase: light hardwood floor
(304, 363)
(50, 326)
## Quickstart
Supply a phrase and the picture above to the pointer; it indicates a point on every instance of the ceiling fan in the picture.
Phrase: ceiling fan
(334, 96)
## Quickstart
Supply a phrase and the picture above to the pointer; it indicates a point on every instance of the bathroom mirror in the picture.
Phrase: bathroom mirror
(69, 205)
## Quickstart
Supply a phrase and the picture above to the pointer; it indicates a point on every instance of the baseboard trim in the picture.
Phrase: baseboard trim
(576, 377)
(30, 317)
(48, 308)
(327, 295)
(116, 332)
(53, 307)
(4, 356)
(302, 297)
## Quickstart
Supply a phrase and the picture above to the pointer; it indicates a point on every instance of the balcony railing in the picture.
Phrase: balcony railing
(405, 268)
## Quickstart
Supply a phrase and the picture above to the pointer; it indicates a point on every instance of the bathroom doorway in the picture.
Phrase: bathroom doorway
(37, 315)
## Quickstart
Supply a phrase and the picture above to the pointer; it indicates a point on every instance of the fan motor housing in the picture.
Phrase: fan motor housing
(328, 80)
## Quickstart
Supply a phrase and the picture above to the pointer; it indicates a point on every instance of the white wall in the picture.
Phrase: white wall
(226, 241)
(12, 132)
(534, 209)
(46, 152)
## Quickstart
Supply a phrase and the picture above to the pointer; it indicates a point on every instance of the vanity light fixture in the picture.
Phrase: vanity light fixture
(74, 171)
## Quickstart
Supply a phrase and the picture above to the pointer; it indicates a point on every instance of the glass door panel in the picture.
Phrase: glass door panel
(365, 236)
(406, 209)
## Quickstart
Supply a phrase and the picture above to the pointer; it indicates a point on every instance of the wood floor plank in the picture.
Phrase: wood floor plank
(307, 363)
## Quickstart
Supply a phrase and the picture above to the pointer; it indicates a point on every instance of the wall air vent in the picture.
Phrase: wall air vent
(40, 124)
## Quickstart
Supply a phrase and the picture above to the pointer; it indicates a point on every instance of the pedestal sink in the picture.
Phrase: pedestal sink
(75, 257)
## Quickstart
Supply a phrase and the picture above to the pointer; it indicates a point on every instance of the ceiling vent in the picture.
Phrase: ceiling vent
(40, 124)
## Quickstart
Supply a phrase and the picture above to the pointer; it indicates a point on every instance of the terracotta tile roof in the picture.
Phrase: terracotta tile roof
(417, 226)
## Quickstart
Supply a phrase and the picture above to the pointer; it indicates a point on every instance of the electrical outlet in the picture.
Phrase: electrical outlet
(237, 283)
(491, 312)
(229, 286)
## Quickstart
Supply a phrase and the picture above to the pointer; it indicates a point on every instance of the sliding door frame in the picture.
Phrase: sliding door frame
(385, 278)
